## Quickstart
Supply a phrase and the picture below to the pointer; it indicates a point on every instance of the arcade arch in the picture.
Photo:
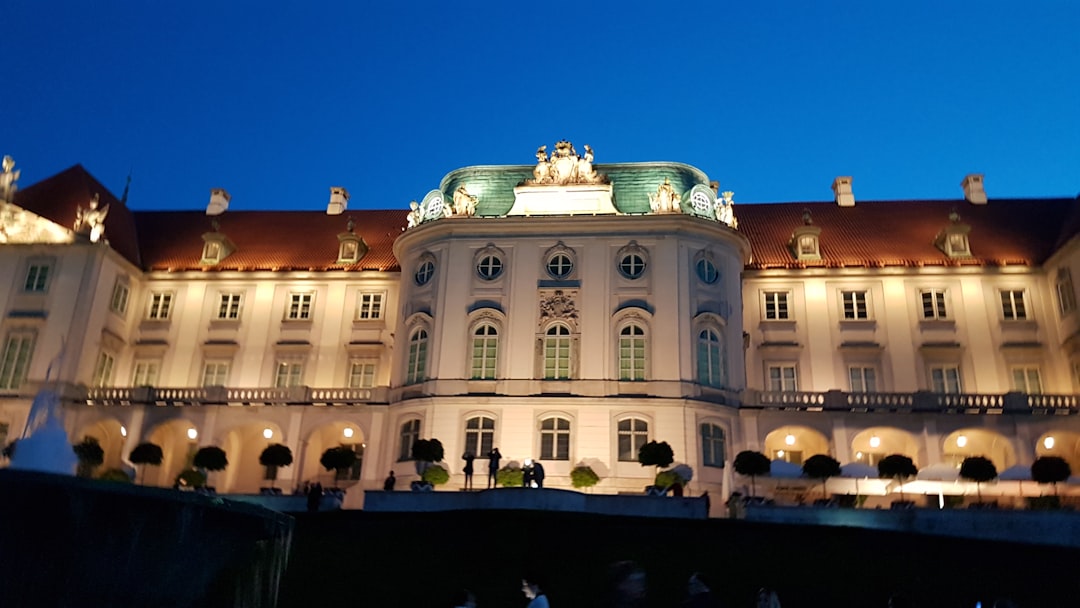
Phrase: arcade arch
(963, 443)
(178, 439)
(1063, 444)
(243, 445)
(795, 444)
(324, 437)
(872, 444)
(111, 435)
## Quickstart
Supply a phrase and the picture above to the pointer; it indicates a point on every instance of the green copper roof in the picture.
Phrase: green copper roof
(631, 182)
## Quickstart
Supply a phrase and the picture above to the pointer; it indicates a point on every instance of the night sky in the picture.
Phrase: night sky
(277, 102)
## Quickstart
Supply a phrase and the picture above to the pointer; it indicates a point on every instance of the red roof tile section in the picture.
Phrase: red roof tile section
(268, 240)
(902, 233)
(57, 198)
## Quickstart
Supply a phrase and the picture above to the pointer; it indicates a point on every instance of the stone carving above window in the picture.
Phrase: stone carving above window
(558, 305)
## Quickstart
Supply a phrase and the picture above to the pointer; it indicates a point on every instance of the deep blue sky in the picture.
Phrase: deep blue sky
(276, 102)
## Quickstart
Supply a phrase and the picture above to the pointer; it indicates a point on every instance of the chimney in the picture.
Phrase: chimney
(219, 201)
(841, 187)
(973, 189)
(339, 200)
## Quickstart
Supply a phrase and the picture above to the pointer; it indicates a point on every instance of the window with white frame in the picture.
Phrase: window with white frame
(1027, 380)
(945, 379)
(299, 306)
(776, 305)
(417, 360)
(103, 369)
(782, 378)
(409, 433)
(1065, 292)
(933, 304)
(369, 305)
(707, 272)
(632, 265)
(37, 277)
(424, 272)
(485, 351)
(18, 352)
(159, 306)
(710, 357)
(632, 434)
(288, 372)
(145, 372)
(855, 305)
(862, 379)
(229, 305)
(215, 372)
(808, 246)
(119, 301)
(632, 352)
(479, 434)
(1013, 305)
(489, 267)
(712, 445)
(559, 266)
(557, 353)
(361, 374)
(554, 439)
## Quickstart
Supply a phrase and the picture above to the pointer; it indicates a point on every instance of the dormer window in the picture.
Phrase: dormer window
(805, 243)
(953, 239)
(351, 246)
(216, 246)
(808, 246)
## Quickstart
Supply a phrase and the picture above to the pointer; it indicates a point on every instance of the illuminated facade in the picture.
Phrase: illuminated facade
(563, 311)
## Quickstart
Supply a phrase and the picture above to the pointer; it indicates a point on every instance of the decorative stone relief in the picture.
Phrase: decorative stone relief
(558, 305)
(725, 209)
(91, 221)
(665, 200)
(564, 166)
(464, 203)
(7, 180)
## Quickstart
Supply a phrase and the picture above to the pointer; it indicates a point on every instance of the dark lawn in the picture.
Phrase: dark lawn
(354, 558)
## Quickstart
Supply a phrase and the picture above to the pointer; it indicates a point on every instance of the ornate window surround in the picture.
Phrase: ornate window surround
(716, 323)
(623, 254)
(476, 319)
(490, 250)
(619, 321)
(706, 270)
(560, 248)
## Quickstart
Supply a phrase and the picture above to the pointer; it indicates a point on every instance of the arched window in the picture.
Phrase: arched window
(410, 432)
(485, 351)
(557, 353)
(417, 357)
(710, 358)
(555, 438)
(712, 445)
(633, 433)
(632, 353)
(479, 435)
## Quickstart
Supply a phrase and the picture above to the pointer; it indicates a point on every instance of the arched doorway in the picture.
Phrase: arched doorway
(243, 446)
(178, 439)
(1063, 444)
(324, 437)
(795, 444)
(871, 445)
(963, 443)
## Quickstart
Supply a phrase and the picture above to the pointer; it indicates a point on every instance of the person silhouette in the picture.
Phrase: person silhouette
(538, 474)
(388, 484)
(468, 457)
(493, 467)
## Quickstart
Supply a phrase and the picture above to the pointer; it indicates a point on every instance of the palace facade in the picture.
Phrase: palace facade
(562, 311)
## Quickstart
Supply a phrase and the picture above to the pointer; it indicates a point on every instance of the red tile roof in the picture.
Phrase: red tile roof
(870, 234)
(902, 233)
(56, 199)
(268, 240)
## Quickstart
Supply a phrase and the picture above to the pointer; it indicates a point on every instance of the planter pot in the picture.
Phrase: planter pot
(421, 486)
(655, 491)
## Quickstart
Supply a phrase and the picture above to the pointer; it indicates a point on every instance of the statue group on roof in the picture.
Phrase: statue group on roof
(564, 166)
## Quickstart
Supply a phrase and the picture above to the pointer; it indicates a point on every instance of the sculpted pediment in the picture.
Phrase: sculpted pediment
(19, 226)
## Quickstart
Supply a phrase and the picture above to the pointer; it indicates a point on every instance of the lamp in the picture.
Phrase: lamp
(961, 441)
(1048, 443)
(875, 441)
(790, 439)
(192, 433)
(123, 431)
(348, 432)
(268, 433)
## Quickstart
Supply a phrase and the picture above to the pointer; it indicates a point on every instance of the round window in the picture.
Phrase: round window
(632, 266)
(425, 272)
(707, 272)
(489, 267)
(560, 266)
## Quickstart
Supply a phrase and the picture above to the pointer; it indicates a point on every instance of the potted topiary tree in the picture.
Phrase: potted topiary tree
(582, 476)
(510, 476)
(338, 459)
(752, 464)
(435, 475)
(821, 466)
(901, 468)
(273, 457)
(656, 454)
(426, 452)
(146, 454)
(210, 458)
(90, 455)
(979, 470)
(1051, 469)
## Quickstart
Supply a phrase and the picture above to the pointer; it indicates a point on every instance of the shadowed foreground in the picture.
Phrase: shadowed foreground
(410, 559)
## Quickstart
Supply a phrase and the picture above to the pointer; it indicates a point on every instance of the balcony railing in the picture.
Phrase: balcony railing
(920, 401)
(221, 395)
